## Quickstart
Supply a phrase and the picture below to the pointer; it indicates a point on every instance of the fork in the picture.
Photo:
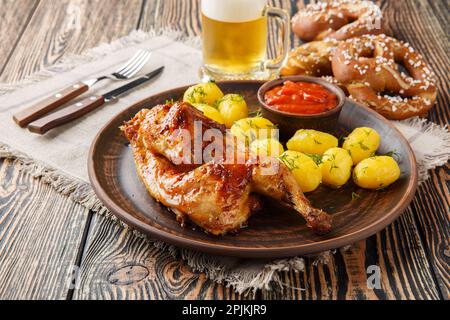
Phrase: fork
(127, 71)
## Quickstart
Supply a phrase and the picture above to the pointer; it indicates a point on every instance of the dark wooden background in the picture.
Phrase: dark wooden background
(43, 235)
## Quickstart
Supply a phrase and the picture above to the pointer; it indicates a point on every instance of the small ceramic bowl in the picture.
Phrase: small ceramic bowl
(289, 123)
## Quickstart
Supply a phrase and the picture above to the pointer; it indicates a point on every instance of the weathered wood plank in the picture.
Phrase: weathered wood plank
(40, 233)
(14, 17)
(69, 27)
(431, 207)
(424, 24)
(397, 253)
(118, 265)
(178, 15)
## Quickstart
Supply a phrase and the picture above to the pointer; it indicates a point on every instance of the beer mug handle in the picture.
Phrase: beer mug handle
(276, 64)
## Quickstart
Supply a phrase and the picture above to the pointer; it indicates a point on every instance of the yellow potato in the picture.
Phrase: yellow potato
(311, 141)
(362, 143)
(204, 93)
(336, 167)
(209, 112)
(376, 172)
(306, 172)
(251, 129)
(267, 147)
(232, 107)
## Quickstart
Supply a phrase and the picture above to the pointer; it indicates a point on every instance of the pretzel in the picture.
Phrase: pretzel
(338, 19)
(312, 59)
(369, 67)
(334, 81)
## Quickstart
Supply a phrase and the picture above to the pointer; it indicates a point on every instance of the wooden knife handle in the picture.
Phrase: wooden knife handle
(24, 117)
(66, 115)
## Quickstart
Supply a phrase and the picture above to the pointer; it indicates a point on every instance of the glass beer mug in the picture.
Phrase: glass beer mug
(235, 39)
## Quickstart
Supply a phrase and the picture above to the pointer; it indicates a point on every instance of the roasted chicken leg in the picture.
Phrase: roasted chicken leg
(217, 196)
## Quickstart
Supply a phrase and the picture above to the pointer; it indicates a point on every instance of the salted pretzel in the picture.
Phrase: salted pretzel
(311, 59)
(369, 67)
(338, 19)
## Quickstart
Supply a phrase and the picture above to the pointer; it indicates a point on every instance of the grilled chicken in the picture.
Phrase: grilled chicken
(217, 195)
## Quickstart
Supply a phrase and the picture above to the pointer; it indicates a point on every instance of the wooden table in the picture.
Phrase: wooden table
(43, 234)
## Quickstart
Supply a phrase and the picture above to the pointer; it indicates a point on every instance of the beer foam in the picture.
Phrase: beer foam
(233, 10)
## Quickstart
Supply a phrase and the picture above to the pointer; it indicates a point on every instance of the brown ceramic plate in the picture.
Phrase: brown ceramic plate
(274, 233)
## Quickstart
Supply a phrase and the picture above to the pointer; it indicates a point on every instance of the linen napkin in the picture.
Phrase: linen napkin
(60, 157)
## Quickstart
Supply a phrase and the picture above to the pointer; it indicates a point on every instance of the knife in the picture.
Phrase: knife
(85, 106)
(63, 96)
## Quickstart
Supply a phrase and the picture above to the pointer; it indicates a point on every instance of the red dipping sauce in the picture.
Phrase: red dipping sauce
(302, 98)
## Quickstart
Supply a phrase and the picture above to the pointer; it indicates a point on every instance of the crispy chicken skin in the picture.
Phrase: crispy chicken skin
(217, 196)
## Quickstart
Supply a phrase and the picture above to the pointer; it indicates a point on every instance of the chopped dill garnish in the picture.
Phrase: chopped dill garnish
(317, 142)
(394, 154)
(256, 114)
(342, 139)
(363, 146)
(169, 102)
(317, 158)
(333, 166)
(289, 162)
(355, 196)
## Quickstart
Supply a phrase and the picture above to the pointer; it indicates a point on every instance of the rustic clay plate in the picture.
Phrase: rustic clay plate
(276, 232)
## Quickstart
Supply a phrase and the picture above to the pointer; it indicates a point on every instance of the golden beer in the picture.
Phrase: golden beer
(235, 40)
(234, 47)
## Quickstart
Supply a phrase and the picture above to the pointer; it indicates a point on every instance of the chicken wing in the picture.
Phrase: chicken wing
(217, 196)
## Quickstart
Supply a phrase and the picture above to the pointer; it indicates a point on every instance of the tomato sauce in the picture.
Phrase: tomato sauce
(303, 98)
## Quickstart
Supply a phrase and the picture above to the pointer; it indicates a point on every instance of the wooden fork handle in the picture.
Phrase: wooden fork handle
(66, 115)
(24, 117)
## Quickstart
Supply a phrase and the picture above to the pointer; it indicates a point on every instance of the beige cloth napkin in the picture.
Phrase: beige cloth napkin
(65, 148)
(60, 157)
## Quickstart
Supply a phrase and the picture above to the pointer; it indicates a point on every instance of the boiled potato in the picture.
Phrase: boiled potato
(362, 143)
(251, 129)
(232, 107)
(204, 93)
(311, 141)
(306, 172)
(209, 112)
(336, 167)
(267, 147)
(376, 172)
